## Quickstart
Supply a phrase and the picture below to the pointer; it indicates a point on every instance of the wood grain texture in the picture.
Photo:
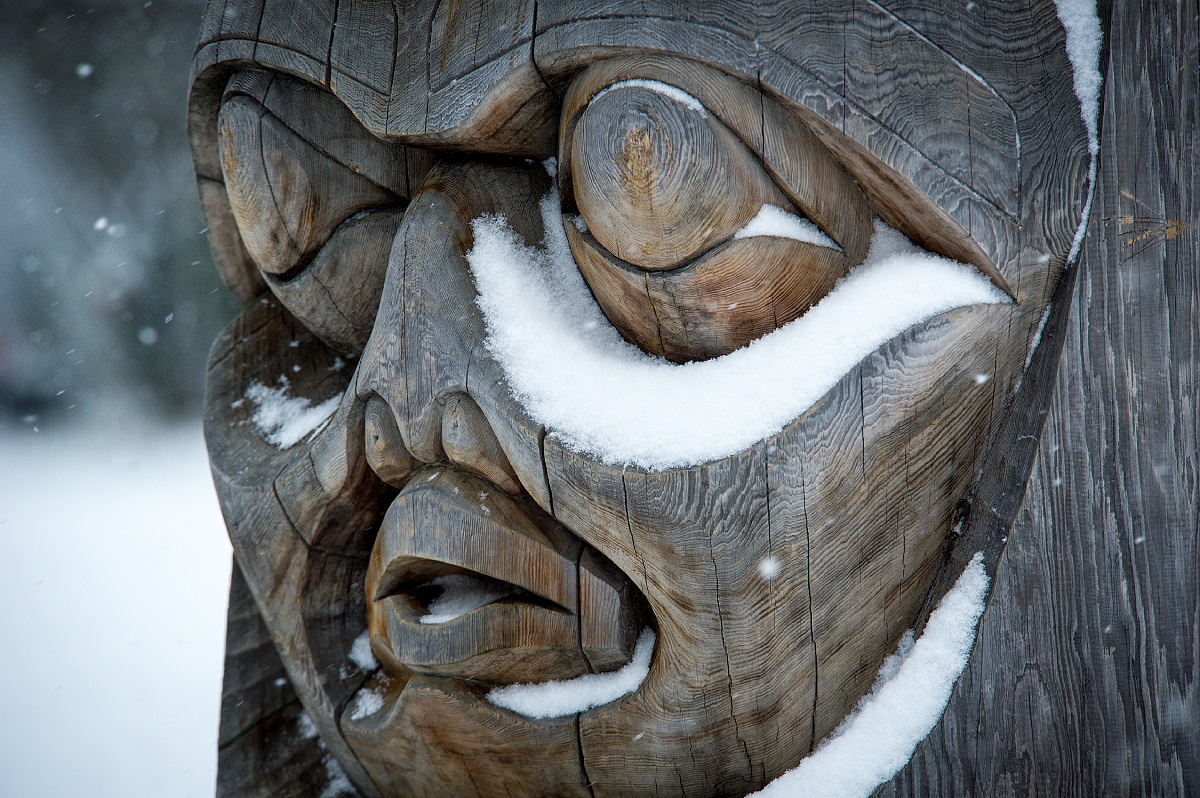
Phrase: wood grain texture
(316, 200)
(294, 539)
(1093, 628)
(732, 295)
(829, 500)
(638, 184)
(264, 749)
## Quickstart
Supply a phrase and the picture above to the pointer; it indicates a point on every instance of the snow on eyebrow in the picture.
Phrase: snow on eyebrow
(878, 738)
(283, 420)
(560, 698)
(658, 87)
(602, 396)
(774, 221)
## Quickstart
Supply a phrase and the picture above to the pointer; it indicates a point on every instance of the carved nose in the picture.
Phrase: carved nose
(470, 442)
(467, 441)
(433, 395)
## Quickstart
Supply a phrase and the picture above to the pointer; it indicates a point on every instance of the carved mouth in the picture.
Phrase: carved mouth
(468, 581)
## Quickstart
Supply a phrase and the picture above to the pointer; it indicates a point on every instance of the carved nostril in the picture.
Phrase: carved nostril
(386, 453)
(469, 441)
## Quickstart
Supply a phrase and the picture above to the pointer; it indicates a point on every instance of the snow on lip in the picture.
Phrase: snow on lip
(557, 699)
(602, 396)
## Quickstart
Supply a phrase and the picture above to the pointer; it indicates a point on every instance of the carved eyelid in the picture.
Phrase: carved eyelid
(778, 133)
(660, 180)
(316, 199)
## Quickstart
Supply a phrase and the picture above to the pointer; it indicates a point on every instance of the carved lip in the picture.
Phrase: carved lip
(546, 606)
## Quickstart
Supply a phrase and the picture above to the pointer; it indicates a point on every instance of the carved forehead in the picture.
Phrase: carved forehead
(976, 107)
(475, 76)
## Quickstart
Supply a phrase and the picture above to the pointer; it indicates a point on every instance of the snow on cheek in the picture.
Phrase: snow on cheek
(604, 397)
(366, 703)
(912, 689)
(360, 653)
(284, 421)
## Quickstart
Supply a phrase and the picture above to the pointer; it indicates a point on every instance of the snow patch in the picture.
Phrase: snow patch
(774, 221)
(658, 87)
(912, 689)
(769, 568)
(1084, 40)
(284, 421)
(462, 593)
(305, 725)
(576, 375)
(361, 655)
(337, 782)
(560, 698)
(1036, 341)
(366, 703)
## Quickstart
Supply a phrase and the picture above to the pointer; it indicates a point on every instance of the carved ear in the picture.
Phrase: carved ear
(666, 162)
(317, 199)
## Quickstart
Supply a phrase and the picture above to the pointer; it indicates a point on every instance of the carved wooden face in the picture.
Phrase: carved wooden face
(341, 166)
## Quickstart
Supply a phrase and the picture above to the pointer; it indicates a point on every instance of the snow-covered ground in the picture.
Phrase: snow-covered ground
(114, 576)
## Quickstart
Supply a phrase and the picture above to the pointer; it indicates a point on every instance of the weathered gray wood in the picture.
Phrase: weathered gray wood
(295, 550)
(894, 447)
(337, 293)
(421, 367)
(518, 763)
(316, 200)
(433, 529)
(264, 749)
(469, 441)
(1084, 679)
(287, 196)
(734, 294)
(806, 173)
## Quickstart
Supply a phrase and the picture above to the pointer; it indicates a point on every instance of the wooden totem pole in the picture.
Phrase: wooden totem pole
(418, 521)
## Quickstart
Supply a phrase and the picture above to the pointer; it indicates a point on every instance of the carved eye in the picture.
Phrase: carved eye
(709, 214)
(317, 200)
(667, 192)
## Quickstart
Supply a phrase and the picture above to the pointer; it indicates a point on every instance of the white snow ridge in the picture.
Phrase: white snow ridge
(560, 698)
(878, 738)
(602, 396)
(1084, 41)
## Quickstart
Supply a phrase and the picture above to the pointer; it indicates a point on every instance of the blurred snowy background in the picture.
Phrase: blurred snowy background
(115, 564)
